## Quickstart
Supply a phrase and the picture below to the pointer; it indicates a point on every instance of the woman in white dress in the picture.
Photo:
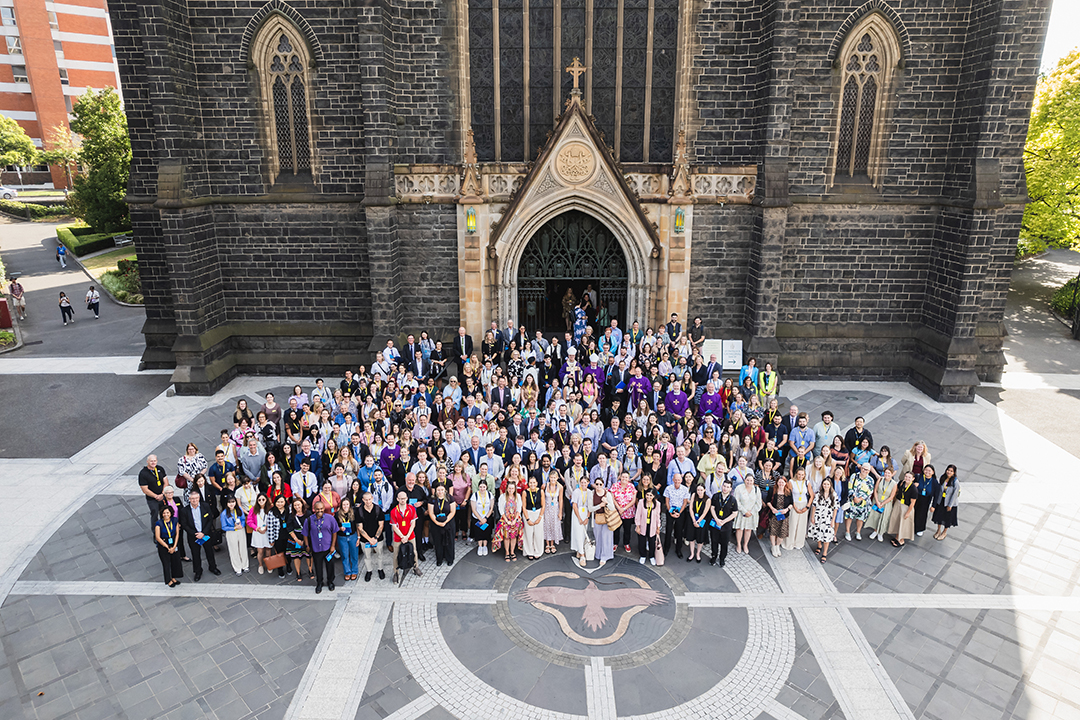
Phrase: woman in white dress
(801, 497)
(580, 504)
(257, 520)
(748, 499)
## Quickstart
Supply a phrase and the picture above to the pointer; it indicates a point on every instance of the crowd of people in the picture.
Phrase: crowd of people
(604, 440)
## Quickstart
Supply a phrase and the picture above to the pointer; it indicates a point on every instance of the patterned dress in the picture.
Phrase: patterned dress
(823, 530)
(552, 523)
(782, 503)
(859, 491)
(510, 523)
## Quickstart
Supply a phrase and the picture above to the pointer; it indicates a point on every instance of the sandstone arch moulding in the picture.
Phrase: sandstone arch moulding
(574, 172)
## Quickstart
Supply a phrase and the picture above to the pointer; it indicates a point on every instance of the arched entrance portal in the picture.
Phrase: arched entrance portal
(571, 251)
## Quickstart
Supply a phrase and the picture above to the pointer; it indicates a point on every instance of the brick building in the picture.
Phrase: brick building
(838, 184)
(51, 53)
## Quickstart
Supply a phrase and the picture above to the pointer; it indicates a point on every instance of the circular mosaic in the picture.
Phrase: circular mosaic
(575, 163)
(618, 609)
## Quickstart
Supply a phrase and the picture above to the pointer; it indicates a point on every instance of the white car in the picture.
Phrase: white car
(8, 193)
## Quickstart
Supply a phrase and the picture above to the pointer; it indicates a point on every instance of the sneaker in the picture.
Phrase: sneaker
(627, 546)
(641, 560)
(858, 536)
(65, 322)
(367, 576)
(382, 575)
(880, 537)
(238, 573)
(847, 536)
(261, 571)
(920, 533)
(873, 534)
(652, 560)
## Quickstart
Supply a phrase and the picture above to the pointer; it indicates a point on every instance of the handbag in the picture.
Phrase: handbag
(274, 562)
(659, 554)
(180, 481)
(614, 519)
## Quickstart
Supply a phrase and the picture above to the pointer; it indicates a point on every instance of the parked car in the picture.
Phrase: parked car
(8, 193)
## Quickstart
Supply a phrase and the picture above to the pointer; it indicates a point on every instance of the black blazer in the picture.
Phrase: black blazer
(456, 344)
(187, 520)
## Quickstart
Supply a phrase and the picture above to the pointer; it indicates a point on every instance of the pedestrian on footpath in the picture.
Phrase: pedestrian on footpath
(18, 294)
(66, 311)
(61, 255)
(93, 301)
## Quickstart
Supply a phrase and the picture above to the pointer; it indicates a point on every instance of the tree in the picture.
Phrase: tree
(63, 151)
(16, 147)
(106, 159)
(1052, 160)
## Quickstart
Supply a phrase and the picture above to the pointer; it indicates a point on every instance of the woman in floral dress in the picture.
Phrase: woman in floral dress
(510, 525)
(823, 531)
(780, 503)
(860, 490)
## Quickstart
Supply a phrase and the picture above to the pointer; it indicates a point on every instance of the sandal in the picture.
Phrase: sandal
(507, 558)
(817, 551)
(513, 558)
(894, 543)
(824, 559)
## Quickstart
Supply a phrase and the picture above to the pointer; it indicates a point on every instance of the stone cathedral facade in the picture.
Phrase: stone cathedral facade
(839, 184)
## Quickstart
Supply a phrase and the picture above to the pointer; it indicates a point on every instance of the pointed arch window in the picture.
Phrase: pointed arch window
(868, 62)
(283, 61)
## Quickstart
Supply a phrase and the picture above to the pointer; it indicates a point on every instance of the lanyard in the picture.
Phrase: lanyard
(168, 532)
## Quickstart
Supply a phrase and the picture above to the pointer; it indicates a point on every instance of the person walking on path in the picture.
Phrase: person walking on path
(93, 301)
(66, 311)
(18, 294)
(61, 255)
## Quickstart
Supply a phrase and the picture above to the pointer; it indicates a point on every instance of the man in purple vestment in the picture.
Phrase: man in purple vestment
(639, 388)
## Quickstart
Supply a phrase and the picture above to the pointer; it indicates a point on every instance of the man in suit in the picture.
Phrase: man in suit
(408, 353)
(463, 349)
(198, 522)
(620, 376)
(421, 368)
(474, 453)
(307, 453)
(500, 395)
(711, 367)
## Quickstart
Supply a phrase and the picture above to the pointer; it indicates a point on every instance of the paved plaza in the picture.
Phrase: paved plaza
(985, 624)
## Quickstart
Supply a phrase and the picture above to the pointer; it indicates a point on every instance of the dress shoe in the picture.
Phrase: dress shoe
(721, 564)
(688, 558)
(367, 576)
(215, 571)
(382, 575)
(438, 563)
(417, 572)
(421, 557)
(198, 577)
(397, 576)
(330, 587)
(712, 561)
(318, 589)
(678, 554)
(451, 562)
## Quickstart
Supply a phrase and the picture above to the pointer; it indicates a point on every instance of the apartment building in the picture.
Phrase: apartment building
(50, 53)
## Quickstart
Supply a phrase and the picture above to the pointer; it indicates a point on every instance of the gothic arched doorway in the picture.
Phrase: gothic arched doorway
(571, 251)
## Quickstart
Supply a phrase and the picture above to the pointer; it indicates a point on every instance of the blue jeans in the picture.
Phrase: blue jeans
(350, 555)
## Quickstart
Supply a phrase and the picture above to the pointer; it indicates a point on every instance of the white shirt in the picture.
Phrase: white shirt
(303, 485)
(92, 296)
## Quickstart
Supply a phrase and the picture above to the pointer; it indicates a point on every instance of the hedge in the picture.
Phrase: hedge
(1062, 302)
(81, 243)
(14, 207)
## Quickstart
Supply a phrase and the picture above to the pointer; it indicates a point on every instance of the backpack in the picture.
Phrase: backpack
(406, 558)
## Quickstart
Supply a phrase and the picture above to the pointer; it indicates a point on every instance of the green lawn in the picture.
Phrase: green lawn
(40, 193)
(101, 264)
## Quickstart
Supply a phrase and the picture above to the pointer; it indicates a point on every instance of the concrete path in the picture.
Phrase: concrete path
(30, 249)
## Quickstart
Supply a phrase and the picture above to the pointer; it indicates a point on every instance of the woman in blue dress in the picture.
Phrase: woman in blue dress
(581, 319)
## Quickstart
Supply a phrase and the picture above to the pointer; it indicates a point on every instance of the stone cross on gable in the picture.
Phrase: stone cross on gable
(576, 69)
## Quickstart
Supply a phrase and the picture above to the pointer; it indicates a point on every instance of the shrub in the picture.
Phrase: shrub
(1064, 300)
(37, 212)
(83, 241)
(7, 337)
(124, 283)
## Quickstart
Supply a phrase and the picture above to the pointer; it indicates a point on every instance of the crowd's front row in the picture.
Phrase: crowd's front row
(595, 512)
